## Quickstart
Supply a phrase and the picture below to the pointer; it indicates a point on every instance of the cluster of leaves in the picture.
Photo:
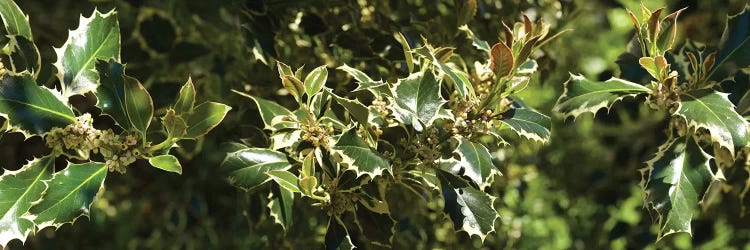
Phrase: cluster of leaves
(427, 133)
(705, 132)
(41, 194)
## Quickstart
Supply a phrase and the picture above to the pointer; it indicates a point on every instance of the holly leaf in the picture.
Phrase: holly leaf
(355, 154)
(29, 108)
(470, 209)
(69, 196)
(356, 109)
(97, 37)
(20, 190)
(581, 95)
(285, 138)
(24, 55)
(166, 162)
(501, 60)
(204, 118)
(14, 20)
(138, 105)
(337, 237)
(285, 179)
(734, 47)
(281, 201)
(377, 227)
(417, 99)
(268, 110)
(186, 99)
(714, 112)
(675, 181)
(475, 41)
(315, 81)
(363, 81)
(248, 167)
(111, 92)
(475, 162)
(529, 124)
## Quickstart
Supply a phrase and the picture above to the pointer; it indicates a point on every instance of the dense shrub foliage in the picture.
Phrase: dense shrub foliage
(371, 124)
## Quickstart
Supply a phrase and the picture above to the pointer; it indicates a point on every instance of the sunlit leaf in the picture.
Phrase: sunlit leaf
(204, 118)
(138, 105)
(582, 95)
(417, 99)
(529, 123)
(315, 81)
(280, 204)
(97, 37)
(285, 179)
(247, 167)
(675, 181)
(713, 111)
(14, 20)
(166, 162)
(475, 162)
(111, 92)
(186, 98)
(268, 109)
(470, 209)
(24, 55)
(70, 194)
(359, 157)
(30, 108)
(20, 190)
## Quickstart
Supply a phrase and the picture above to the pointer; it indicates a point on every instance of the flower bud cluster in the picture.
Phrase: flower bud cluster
(467, 124)
(317, 134)
(82, 137)
(426, 147)
(381, 106)
(342, 202)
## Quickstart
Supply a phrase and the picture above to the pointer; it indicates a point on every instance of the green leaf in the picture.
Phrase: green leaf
(528, 123)
(308, 184)
(501, 60)
(713, 111)
(459, 78)
(30, 108)
(407, 51)
(285, 139)
(138, 105)
(417, 99)
(355, 154)
(281, 201)
(284, 70)
(268, 109)
(734, 48)
(285, 179)
(111, 92)
(204, 118)
(469, 208)
(315, 81)
(20, 190)
(24, 55)
(176, 126)
(377, 227)
(97, 37)
(70, 195)
(15, 21)
(475, 41)
(186, 100)
(582, 95)
(356, 109)
(247, 167)
(337, 237)
(166, 162)
(675, 181)
(364, 81)
(475, 162)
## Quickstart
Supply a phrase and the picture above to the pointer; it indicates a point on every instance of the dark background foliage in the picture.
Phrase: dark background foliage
(580, 191)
